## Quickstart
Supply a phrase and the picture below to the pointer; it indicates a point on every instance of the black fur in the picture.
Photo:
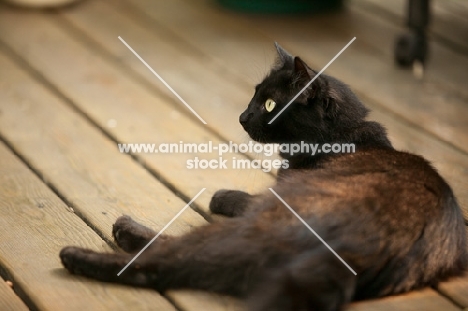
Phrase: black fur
(387, 213)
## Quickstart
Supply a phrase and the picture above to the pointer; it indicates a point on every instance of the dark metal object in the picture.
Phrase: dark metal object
(411, 47)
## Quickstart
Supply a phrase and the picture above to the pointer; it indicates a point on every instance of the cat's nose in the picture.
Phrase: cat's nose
(245, 117)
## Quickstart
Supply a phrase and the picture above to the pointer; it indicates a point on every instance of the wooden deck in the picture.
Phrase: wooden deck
(70, 91)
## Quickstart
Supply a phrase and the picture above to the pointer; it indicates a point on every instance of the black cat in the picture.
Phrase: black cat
(388, 214)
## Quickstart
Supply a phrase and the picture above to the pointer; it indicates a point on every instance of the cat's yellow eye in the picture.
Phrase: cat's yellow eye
(270, 105)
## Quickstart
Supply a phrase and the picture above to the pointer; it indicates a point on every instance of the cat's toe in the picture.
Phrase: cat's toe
(217, 200)
(65, 256)
(69, 256)
(122, 223)
(129, 234)
(229, 203)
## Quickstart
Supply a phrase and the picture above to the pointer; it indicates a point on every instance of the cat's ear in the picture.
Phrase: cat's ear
(283, 55)
(304, 74)
(301, 69)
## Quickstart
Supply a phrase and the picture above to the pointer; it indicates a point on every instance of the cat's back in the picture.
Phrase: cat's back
(381, 167)
(393, 185)
(366, 160)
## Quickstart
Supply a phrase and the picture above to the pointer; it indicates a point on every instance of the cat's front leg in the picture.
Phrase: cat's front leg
(105, 266)
(230, 203)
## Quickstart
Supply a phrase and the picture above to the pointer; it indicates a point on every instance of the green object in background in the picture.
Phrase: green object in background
(282, 6)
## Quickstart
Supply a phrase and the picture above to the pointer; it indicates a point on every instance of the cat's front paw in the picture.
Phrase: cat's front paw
(100, 266)
(229, 203)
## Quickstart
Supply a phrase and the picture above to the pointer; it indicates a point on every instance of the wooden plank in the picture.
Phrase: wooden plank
(34, 225)
(445, 25)
(8, 299)
(426, 299)
(104, 92)
(451, 162)
(82, 164)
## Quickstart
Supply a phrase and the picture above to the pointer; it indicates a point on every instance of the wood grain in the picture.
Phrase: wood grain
(8, 299)
(34, 225)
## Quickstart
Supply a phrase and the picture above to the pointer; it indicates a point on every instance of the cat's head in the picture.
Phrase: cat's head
(323, 111)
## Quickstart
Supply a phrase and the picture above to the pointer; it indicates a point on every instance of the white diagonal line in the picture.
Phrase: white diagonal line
(313, 79)
(157, 235)
(162, 80)
(312, 230)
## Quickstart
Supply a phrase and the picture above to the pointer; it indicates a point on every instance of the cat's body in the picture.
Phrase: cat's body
(388, 214)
